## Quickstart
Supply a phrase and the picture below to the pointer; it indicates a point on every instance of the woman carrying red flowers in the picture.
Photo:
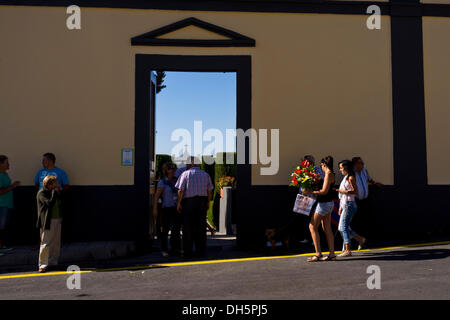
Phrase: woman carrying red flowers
(322, 214)
(308, 163)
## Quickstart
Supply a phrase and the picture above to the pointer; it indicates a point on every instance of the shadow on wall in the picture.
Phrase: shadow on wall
(90, 213)
(396, 214)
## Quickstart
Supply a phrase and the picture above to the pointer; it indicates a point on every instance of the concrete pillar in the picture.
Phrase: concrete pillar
(225, 225)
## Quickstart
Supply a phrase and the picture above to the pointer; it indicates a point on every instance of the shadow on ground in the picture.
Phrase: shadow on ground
(153, 258)
(418, 254)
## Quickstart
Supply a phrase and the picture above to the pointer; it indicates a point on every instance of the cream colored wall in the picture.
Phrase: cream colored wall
(193, 32)
(66, 92)
(329, 93)
(436, 52)
(329, 67)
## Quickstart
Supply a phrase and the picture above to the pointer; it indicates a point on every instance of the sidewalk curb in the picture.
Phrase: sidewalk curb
(71, 253)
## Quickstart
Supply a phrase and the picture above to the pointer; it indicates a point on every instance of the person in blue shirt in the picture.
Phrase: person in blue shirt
(48, 162)
(171, 219)
(312, 160)
(180, 171)
(6, 199)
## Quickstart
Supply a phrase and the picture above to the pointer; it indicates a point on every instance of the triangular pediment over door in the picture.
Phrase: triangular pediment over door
(192, 32)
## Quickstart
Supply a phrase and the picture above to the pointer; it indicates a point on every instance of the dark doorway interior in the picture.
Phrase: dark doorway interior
(145, 119)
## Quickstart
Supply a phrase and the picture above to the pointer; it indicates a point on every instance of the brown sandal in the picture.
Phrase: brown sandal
(314, 258)
(329, 258)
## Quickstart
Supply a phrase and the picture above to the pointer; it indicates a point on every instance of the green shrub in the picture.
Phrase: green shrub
(208, 168)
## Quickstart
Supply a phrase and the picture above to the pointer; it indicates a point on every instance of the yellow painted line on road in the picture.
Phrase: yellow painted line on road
(29, 275)
(191, 263)
(176, 264)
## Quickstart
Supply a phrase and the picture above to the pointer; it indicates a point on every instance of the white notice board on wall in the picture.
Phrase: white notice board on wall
(127, 157)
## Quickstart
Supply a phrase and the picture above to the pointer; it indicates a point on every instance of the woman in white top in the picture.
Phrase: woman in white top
(347, 193)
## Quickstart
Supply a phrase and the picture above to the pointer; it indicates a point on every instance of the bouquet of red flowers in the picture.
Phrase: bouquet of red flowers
(226, 182)
(305, 176)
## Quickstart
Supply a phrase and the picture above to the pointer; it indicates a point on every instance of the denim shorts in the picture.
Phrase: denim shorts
(324, 208)
(4, 217)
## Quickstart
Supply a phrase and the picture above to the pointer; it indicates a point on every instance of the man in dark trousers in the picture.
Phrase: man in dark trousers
(194, 194)
(364, 217)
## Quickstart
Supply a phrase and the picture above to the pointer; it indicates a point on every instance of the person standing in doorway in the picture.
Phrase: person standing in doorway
(194, 195)
(180, 171)
(170, 217)
(49, 222)
(48, 162)
(6, 200)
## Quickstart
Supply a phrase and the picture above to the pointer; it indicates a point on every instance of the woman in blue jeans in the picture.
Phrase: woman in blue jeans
(347, 192)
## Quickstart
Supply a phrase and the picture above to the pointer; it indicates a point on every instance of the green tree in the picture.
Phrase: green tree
(208, 168)
(160, 75)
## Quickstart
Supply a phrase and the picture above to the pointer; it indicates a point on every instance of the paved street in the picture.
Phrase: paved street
(406, 273)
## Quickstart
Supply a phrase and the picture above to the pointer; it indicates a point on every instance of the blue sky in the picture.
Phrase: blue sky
(190, 96)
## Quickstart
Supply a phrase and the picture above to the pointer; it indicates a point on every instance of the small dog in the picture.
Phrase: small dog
(274, 236)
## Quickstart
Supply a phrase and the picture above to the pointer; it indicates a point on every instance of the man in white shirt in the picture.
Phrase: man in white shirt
(363, 180)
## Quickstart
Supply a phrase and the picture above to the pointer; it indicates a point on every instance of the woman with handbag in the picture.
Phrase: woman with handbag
(347, 208)
(322, 214)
